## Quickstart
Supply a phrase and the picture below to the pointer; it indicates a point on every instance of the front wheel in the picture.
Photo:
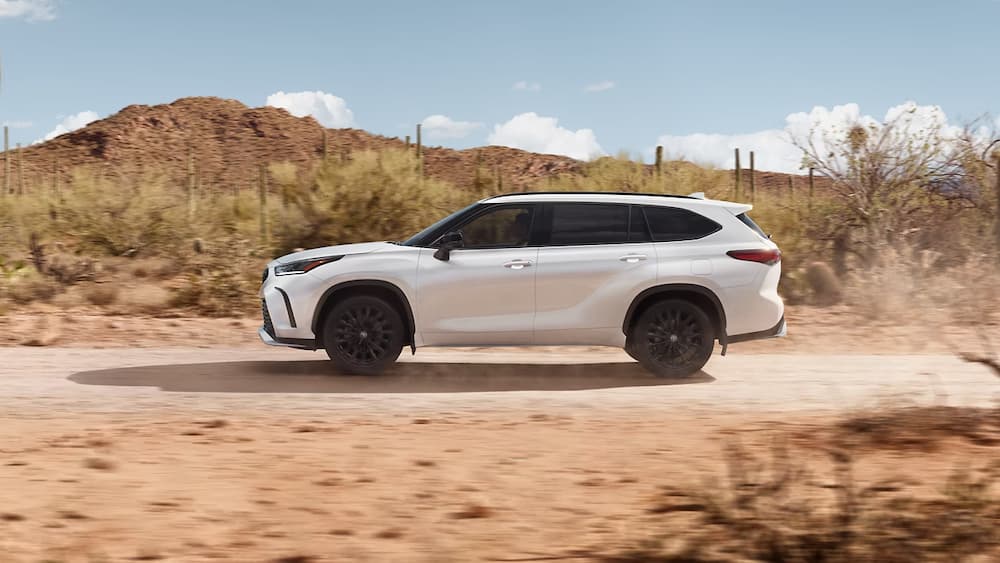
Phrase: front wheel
(672, 338)
(363, 335)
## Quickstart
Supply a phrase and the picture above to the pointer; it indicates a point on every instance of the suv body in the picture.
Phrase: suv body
(538, 269)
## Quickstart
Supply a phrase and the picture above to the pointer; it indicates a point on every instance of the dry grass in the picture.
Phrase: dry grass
(777, 510)
(923, 428)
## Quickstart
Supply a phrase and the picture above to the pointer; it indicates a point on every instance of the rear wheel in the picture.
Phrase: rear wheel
(672, 338)
(363, 335)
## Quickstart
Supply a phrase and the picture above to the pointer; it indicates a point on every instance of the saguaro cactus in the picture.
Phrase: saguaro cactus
(812, 188)
(20, 171)
(736, 192)
(265, 235)
(6, 160)
(190, 184)
(753, 183)
(659, 161)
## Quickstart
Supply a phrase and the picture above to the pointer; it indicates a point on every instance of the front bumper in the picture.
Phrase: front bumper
(269, 337)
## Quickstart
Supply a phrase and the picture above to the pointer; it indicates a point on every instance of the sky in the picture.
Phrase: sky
(582, 78)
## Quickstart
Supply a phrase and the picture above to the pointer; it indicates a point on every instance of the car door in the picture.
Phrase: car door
(593, 259)
(484, 294)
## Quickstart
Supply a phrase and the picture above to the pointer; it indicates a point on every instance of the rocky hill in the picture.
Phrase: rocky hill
(229, 140)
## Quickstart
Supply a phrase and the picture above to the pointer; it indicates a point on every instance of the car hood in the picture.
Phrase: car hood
(338, 250)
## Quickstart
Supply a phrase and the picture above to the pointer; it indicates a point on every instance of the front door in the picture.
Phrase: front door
(485, 293)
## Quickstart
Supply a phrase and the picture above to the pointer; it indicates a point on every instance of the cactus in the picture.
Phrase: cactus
(190, 184)
(659, 161)
(812, 188)
(753, 184)
(20, 171)
(6, 161)
(736, 192)
(265, 236)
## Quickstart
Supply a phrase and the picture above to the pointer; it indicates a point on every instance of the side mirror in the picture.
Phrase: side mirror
(447, 243)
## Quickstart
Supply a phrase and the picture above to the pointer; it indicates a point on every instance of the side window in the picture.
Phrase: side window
(675, 224)
(503, 227)
(588, 223)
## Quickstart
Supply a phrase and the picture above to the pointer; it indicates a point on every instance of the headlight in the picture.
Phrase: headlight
(303, 266)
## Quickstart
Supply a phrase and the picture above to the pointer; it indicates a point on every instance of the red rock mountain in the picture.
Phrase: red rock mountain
(229, 140)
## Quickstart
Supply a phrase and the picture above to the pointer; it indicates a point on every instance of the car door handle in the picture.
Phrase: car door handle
(517, 264)
(633, 258)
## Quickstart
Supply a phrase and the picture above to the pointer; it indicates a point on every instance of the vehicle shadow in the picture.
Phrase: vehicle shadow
(410, 377)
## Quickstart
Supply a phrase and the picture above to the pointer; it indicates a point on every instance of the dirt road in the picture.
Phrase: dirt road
(263, 455)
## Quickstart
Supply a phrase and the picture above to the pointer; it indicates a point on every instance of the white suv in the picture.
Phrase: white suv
(663, 277)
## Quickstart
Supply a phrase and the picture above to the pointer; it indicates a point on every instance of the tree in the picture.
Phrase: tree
(890, 176)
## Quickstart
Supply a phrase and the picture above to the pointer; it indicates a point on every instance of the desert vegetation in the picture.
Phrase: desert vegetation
(899, 224)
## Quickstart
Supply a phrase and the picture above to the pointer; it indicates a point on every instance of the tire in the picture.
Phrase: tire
(363, 335)
(673, 338)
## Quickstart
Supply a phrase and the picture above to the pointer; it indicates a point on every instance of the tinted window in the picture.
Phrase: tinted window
(673, 224)
(637, 229)
(502, 227)
(588, 223)
(750, 223)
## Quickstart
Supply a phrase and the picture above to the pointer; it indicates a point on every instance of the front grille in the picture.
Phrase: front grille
(268, 327)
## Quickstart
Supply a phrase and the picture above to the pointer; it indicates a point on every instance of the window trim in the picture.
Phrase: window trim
(652, 236)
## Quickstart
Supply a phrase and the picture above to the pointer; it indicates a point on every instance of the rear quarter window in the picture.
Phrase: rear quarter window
(746, 220)
(670, 224)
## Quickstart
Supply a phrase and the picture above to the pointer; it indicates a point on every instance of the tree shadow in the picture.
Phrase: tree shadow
(407, 377)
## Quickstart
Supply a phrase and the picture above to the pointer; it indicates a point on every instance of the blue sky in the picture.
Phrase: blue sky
(659, 71)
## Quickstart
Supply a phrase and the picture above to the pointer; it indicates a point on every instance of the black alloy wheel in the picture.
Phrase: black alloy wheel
(363, 335)
(673, 338)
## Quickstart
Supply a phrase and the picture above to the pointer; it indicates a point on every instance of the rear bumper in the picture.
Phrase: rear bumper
(777, 331)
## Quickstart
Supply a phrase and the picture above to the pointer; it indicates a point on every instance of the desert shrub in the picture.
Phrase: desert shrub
(121, 218)
(372, 196)
(30, 288)
(772, 511)
(623, 174)
(222, 280)
(101, 294)
(144, 298)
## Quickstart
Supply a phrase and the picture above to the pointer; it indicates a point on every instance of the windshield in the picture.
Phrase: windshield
(418, 239)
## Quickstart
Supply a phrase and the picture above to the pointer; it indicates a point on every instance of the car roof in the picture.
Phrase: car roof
(619, 197)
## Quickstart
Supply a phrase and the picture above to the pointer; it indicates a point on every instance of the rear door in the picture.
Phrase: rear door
(593, 259)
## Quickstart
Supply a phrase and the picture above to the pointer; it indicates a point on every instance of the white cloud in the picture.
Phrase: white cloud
(599, 86)
(525, 85)
(18, 124)
(532, 132)
(773, 148)
(31, 10)
(70, 123)
(329, 110)
(444, 127)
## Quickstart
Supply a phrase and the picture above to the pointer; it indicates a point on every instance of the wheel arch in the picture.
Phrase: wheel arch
(378, 288)
(698, 294)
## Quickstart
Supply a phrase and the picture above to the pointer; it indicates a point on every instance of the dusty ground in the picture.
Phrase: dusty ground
(811, 330)
(183, 454)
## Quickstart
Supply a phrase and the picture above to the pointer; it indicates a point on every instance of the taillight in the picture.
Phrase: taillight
(769, 257)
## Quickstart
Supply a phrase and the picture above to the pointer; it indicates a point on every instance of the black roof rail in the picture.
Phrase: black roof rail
(591, 193)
